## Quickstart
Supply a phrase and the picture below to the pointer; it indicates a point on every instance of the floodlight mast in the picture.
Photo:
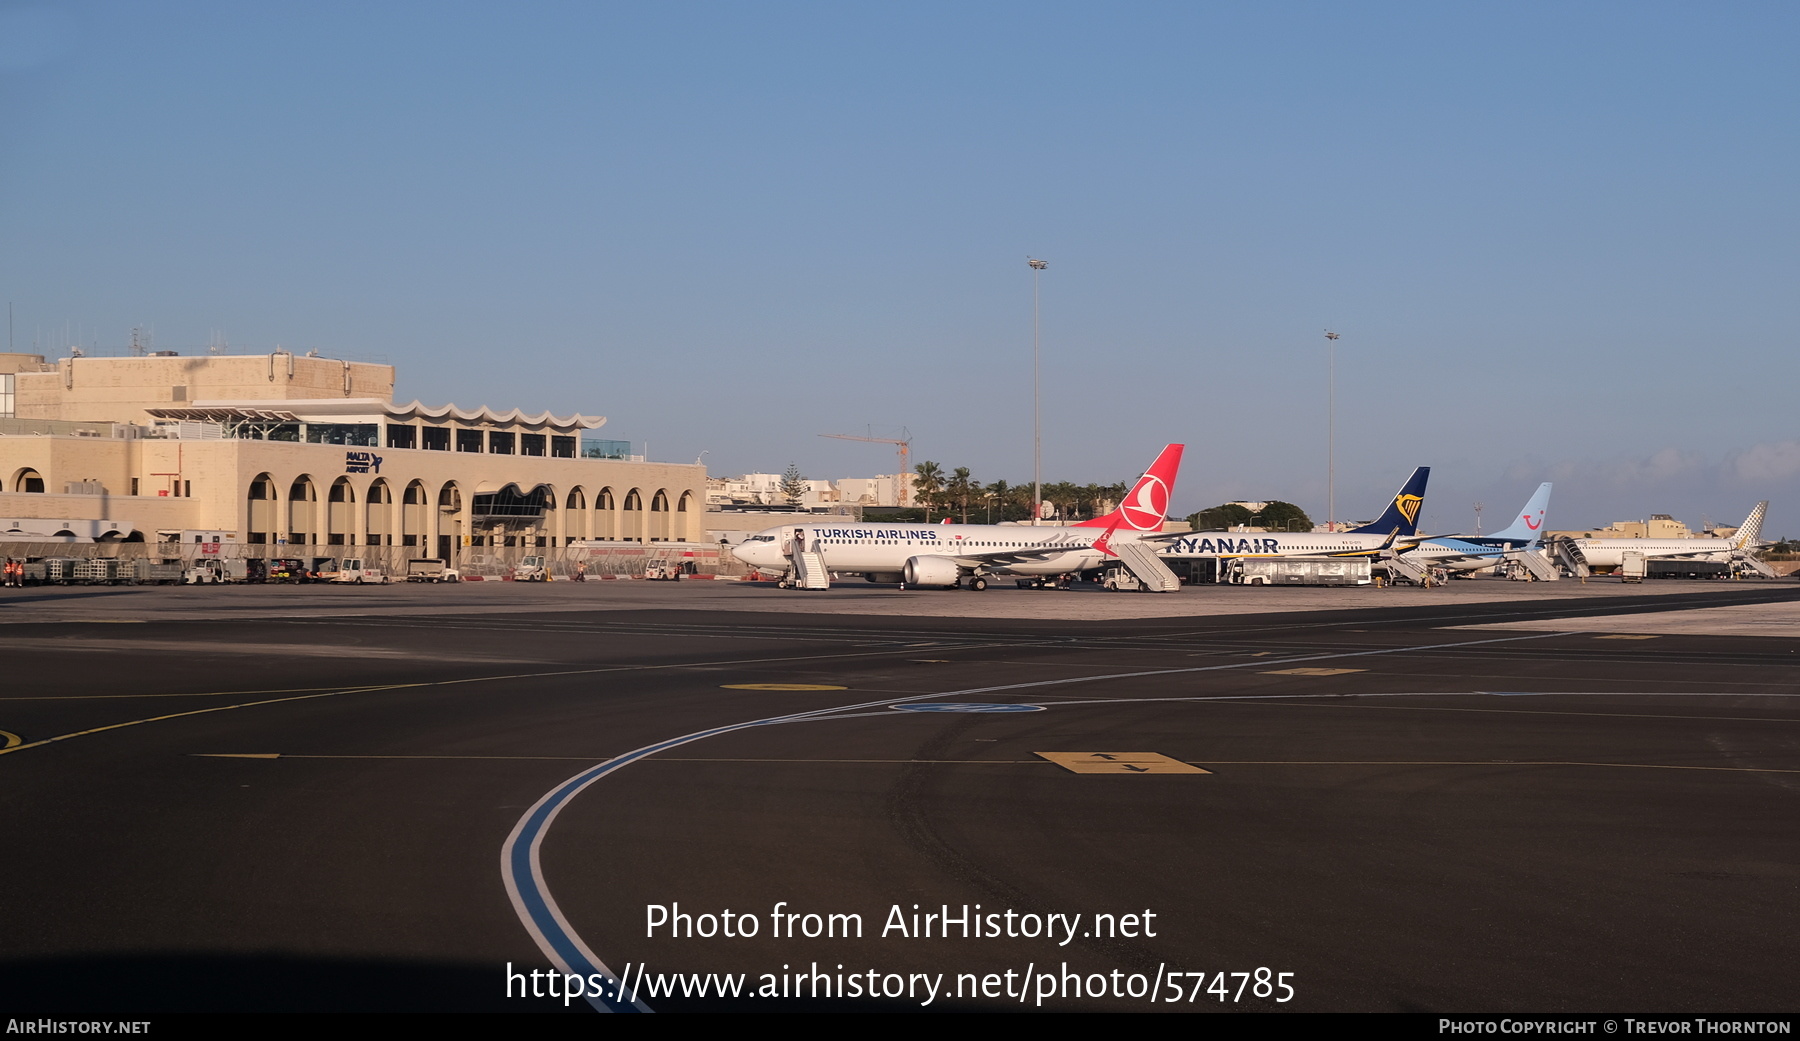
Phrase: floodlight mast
(1037, 423)
(1331, 339)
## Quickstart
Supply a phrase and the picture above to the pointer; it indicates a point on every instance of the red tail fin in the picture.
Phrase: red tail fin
(1148, 502)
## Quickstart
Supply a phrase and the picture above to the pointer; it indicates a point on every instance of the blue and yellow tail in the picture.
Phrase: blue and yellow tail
(1403, 513)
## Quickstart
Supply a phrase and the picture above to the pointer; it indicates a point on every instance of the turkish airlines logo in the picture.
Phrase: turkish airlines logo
(1408, 505)
(1529, 523)
(1148, 504)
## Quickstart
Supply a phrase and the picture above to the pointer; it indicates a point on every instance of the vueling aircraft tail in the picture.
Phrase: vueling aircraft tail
(1148, 502)
(1529, 525)
(1746, 536)
(1403, 513)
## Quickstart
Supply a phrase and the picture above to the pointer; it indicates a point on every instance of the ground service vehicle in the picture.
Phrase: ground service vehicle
(356, 571)
(1299, 571)
(288, 569)
(662, 571)
(530, 569)
(430, 569)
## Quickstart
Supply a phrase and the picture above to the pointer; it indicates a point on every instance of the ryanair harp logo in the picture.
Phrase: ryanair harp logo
(1408, 505)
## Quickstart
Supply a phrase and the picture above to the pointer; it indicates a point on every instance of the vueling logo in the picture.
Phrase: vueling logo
(1408, 505)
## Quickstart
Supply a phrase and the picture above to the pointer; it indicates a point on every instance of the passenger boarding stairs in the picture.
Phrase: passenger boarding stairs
(809, 571)
(1147, 567)
(1537, 562)
(1400, 567)
(1564, 551)
(1757, 566)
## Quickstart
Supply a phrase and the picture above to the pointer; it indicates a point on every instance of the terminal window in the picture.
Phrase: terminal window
(531, 444)
(468, 440)
(437, 439)
(562, 447)
(400, 436)
(500, 442)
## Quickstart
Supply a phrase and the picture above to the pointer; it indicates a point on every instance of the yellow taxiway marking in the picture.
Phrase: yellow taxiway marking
(781, 686)
(195, 694)
(1120, 763)
(9, 739)
(199, 712)
(1159, 763)
(1626, 636)
(604, 758)
(1497, 762)
(1311, 672)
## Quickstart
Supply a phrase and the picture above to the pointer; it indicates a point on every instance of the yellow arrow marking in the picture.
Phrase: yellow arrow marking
(11, 739)
(1120, 763)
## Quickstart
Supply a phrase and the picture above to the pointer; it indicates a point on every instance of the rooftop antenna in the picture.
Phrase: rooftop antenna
(1478, 518)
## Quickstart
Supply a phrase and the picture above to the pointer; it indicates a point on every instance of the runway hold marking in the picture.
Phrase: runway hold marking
(965, 706)
(8, 739)
(1120, 763)
(1312, 672)
(1626, 636)
(782, 686)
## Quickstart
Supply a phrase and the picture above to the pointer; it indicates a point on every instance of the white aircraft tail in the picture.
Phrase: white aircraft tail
(1746, 536)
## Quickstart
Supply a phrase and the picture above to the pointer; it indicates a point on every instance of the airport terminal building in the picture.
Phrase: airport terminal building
(287, 455)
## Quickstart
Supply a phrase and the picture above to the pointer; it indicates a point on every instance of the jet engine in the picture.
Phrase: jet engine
(932, 571)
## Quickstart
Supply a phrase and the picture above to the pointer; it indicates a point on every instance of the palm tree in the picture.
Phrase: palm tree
(958, 488)
(928, 485)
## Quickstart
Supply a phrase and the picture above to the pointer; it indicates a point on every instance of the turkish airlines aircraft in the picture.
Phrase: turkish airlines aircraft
(948, 555)
(1611, 552)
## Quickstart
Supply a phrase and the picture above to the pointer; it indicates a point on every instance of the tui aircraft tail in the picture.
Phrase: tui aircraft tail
(1403, 513)
(1145, 508)
(1528, 527)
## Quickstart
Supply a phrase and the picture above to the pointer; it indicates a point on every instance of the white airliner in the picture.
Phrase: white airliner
(1477, 552)
(1371, 540)
(1611, 552)
(950, 555)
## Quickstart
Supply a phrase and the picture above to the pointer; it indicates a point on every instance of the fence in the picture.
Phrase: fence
(489, 562)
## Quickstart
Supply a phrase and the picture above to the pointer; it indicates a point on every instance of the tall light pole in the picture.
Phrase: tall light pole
(1037, 427)
(1331, 339)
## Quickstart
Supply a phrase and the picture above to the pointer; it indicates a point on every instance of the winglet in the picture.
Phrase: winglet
(1103, 542)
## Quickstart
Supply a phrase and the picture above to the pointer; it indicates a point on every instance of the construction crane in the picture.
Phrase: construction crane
(904, 442)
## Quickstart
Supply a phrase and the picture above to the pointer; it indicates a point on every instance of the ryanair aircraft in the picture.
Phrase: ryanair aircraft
(952, 555)
(1371, 540)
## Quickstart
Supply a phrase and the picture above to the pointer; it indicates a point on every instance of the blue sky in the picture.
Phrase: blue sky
(1556, 239)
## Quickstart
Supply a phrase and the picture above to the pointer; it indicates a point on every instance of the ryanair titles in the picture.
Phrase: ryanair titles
(1221, 546)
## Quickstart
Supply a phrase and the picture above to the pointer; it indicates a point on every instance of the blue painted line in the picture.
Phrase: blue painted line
(538, 912)
(966, 706)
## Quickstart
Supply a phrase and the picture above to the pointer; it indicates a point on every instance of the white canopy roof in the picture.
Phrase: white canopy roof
(343, 410)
